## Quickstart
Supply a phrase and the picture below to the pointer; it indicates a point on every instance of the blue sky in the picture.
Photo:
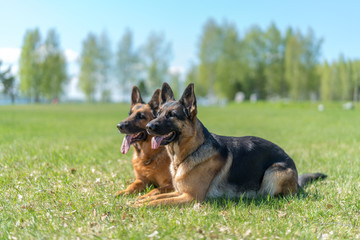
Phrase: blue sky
(337, 22)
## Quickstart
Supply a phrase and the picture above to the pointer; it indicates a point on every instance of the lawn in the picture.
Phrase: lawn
(60, 166)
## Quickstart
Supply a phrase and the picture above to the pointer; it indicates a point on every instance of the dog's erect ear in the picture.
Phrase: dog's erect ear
(155, 101)
(188, 100)
(135, 96)
(166, 93)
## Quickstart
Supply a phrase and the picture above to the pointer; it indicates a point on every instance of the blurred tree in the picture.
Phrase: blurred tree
(128, 67)
(8, 82)
(301, 61)
(29, 67)
(89, 67)
(142, 87)
(231, 66)
(210, 48)
(104, 66)
(294, 70)
(344, 78)
(326, 75)
(192, 77)
(255, 46)
(175, 83)
(311, 47)
(53, 67)
(355, 68)
(274, 72)
(156, 55)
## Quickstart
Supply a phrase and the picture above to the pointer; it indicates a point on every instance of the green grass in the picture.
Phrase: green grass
(60, 166)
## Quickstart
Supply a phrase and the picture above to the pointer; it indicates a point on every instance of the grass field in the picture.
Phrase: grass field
(60, 166)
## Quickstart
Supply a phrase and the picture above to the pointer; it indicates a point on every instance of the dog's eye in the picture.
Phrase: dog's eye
(170, 114)
(140, 116)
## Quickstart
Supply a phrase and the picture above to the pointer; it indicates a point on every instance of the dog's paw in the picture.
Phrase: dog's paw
(135, 204)
(121, 193)
(150, 194)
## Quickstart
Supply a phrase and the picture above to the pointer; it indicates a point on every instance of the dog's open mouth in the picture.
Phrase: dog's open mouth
(156, 141)
(130, 139)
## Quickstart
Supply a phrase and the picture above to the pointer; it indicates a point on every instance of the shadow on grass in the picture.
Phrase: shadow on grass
(302, 196)
(225, 202)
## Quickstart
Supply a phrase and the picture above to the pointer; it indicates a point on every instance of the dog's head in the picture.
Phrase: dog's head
(140, 114)
(176, 119)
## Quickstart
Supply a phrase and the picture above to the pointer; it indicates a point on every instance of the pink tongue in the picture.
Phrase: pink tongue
(155, 141)
(125, 146)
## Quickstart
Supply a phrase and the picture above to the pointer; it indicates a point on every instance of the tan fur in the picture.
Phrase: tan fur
(192, 175)
(279, 182)
(151, 166)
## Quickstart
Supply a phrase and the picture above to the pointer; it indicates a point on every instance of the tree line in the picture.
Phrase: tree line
(270, 64)
(265, 62)
(146, 66)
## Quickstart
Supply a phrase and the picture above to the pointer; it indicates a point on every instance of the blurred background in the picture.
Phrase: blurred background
(95, 51)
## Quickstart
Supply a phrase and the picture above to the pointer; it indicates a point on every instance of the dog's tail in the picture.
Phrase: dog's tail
(310, 177)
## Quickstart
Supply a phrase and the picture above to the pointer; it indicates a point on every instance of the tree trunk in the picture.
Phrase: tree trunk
(356, 93)
(12, 96)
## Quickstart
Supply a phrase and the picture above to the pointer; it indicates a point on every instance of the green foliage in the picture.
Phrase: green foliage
(95, 66)
(255, 44)
(230, 66)
(127, 62)
(155, 55)
(209, 53)
(105, 66)
(42, 66)
(262, 62)
(58, 178)
(88, 78)
(274, 72)
(340, 80)
(29, 67)
(326, 81)
(175, 84)
(53, 67)
(8, 82)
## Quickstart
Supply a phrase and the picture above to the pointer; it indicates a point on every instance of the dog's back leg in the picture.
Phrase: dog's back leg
(279, 180)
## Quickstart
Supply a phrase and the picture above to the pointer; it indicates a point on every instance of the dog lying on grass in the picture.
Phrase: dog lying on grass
(204, 164)
(151, 166)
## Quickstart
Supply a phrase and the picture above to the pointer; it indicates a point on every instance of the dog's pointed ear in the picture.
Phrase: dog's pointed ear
(188, 100)
(166, 93)
(135, 96)
(154, 102)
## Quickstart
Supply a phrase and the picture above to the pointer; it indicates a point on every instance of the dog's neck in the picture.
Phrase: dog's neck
(144, 151)
(180, 150)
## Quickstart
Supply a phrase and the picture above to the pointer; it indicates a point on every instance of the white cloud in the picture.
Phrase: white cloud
(177, 70)
(71, 55)
(72, 91)
(10, 55)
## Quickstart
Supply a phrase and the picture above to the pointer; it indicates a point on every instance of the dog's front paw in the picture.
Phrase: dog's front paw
(121, 193)
(153, 192)
(136, 204)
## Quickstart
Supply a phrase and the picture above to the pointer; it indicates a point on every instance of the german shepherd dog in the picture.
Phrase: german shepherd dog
(204, 164)
(151, 166)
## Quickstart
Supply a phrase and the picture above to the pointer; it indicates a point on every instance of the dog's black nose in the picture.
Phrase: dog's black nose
(151, 126)
(121, 125)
